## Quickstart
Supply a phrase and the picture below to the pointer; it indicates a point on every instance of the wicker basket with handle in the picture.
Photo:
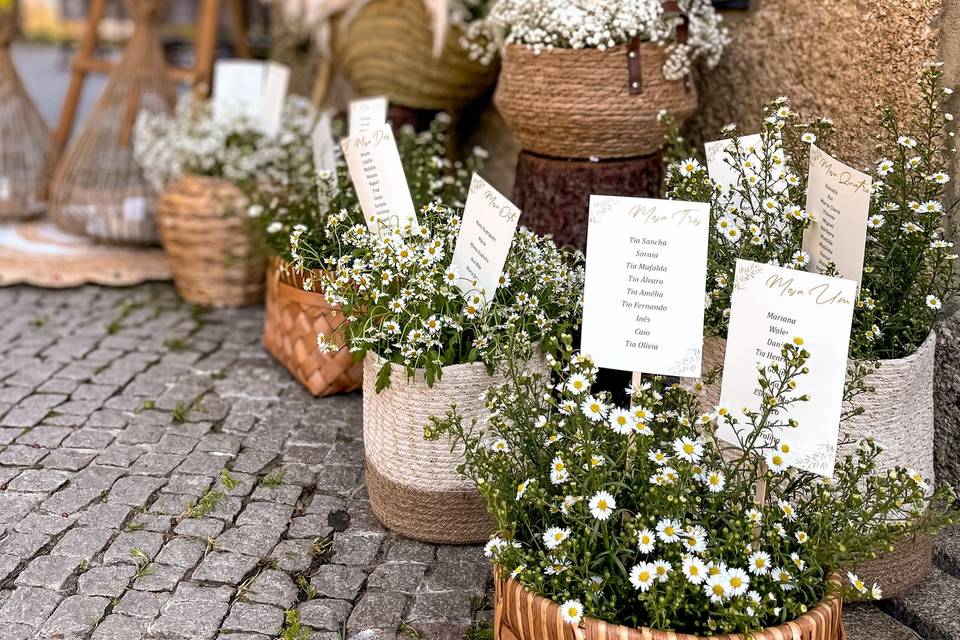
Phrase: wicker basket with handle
(522, 615)
(581, 103)
(387, 49)
(214, 249)
(294, 318)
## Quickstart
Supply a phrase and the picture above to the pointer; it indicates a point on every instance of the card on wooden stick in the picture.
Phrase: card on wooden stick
(486, 233)
(324, 148)
(251, 88)
(645, 285)
(770, 306)
(377, 173)
(367, 113)
(838, 200)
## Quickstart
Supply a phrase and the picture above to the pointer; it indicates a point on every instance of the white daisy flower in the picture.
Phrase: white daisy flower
(809, 137)
(715, 481)
(716, 589)
(737, 581)
(783, 578)
(856, 583)
(787, 509)
(602, 505)
(695, 539)
(558, 471)
(688, 449)
(500, 446)
(522, 488)
(662, 569)
(759, 563)
(754, 516)
(578, 384)
(642, 576)
(571, 611)
(875, 221)
(689, 167)
(884, 167)
(668, 530)
(554, 537)
(646, 541)
(621, 421)
(694, 570)
(493, 545)
(593, 409)
(934, 302)
(658, 457)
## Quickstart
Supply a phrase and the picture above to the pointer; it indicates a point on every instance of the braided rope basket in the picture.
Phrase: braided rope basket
(294, 318)
(387, 49)
(214, 250)
(26, 150)
(577, 103)
(522, 615)
(413, 483)
(899, 416)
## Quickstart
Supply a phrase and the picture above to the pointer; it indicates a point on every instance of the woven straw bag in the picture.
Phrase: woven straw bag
(413, 483)
(577, 103)
(387, 49)
(214, 249)
(99, 189)
(522, 615)
(25, 143)
(294, 318)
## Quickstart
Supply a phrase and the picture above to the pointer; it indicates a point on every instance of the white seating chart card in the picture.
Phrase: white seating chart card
(645, 285)
(486, 234)
(367, 113)
(252, 88)
(721, 171)
(377, 172)
(838, 200)
(770, 306)
(324, 156)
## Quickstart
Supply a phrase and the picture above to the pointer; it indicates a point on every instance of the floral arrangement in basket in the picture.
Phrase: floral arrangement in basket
(234, 148)
(292, 199)
(401, 297)
(586, 24)
(909, 267)
(643, 517)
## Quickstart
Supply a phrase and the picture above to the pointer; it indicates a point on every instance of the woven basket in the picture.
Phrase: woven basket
(387, 49)
(576, 103)
(98, 189)
(522, 615)
(214, 249)
(899, 416)
(25, 143)
(414, 485)
(294, 318)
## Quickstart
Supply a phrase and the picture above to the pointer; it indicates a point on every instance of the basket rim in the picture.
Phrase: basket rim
(824, 608)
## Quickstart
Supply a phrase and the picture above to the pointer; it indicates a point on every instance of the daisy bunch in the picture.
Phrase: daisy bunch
(406, 303)
(909, 263)
(586, 24)
(670, 531)
(291, 199)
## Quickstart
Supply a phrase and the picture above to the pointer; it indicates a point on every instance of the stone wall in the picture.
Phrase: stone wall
(831, 58)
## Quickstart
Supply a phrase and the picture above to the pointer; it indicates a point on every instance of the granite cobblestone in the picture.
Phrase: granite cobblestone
(201, 494)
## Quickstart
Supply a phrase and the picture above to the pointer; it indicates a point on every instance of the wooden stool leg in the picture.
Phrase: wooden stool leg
(79, 74)
(206, 46)
(239, 29)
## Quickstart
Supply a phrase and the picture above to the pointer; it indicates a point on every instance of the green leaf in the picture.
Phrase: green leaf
(383, 378)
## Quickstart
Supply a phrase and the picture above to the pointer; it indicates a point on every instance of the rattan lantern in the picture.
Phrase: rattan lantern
(25, 143)
(98, 189)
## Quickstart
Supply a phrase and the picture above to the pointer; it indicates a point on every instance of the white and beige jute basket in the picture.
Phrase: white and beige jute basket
(413, 483)
(899, 416)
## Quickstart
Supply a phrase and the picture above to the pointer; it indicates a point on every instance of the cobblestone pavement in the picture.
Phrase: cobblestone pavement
(161, 477)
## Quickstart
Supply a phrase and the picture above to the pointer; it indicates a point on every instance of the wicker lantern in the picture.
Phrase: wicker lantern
(98, 189)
